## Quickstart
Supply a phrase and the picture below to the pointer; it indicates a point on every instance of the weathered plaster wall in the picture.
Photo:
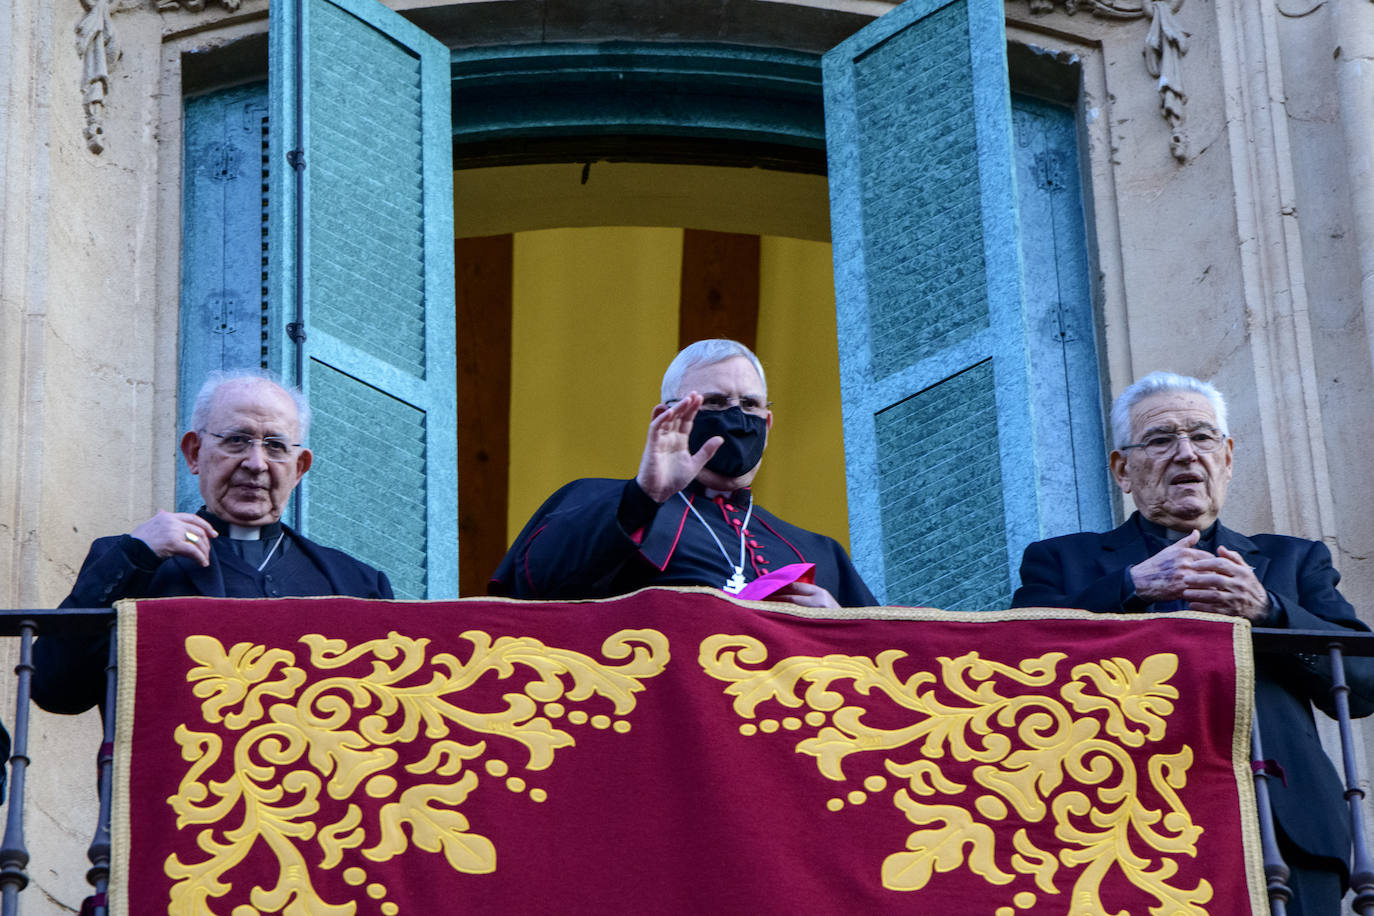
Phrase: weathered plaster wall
(28, 75)
(83, 319)
(1328, 67)
(89, 275)
(1250, 262)
(1242, 263)
(82, 338)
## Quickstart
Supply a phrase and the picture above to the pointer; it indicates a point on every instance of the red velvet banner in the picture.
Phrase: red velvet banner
(678, 752)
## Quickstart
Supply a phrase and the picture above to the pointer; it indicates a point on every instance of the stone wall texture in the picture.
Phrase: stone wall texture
(1234, 242)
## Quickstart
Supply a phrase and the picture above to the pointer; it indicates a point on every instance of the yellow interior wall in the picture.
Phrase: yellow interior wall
(594, 323)
(803, 476)
(595, 319)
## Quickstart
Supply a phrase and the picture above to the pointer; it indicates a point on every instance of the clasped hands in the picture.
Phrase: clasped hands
(1220, 584)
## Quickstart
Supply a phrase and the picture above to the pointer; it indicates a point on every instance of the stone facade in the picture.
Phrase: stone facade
(1230, 201)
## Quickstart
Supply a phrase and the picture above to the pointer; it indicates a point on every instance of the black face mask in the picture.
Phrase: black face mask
(745, 436)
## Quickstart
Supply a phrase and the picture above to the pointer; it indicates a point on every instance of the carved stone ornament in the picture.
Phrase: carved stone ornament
(99, 50)
(194, 6)
(95, 42)
(1165, 45)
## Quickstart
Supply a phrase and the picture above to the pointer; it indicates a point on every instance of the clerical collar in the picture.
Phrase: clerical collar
(1169, 535)
(240, 532)
(697, 487)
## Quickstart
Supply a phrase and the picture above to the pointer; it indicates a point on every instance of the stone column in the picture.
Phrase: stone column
(26, 28)
(1352, 29)
(1272, 271)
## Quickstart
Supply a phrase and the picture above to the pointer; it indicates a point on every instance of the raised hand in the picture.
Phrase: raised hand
(169, 533)
(668, 464)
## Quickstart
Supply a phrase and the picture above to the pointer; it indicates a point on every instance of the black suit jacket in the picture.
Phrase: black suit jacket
(1086, 571)
(69, 673)
(573, 547)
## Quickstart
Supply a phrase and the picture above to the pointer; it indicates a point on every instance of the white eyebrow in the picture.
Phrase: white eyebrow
(1153, 430)
(245, 431)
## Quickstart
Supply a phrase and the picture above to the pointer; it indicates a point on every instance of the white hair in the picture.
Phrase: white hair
(1155, 383)
(218, 378)
(707, 353)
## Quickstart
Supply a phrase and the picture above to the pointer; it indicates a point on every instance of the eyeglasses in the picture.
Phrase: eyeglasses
(1161, 445)
(275, 448)
(747, 403)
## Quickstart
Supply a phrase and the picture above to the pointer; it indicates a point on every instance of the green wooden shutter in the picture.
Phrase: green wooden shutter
(363, 95)
(933, 363)
(224, 302)
(1072, 479)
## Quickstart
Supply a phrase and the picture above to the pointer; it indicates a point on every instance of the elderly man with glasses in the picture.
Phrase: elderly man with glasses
(245, 446)
(1173, 456)
(688, 517)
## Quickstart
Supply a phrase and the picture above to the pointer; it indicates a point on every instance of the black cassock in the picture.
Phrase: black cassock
(598, 537)
(1089, 571)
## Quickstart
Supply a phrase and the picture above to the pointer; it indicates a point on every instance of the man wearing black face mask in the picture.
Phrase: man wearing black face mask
(688, 516)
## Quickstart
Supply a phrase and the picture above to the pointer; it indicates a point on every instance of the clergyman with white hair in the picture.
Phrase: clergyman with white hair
(246, 447)
(688, 517)
(1173, 456)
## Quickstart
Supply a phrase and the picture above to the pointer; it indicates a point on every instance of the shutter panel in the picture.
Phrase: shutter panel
(365, 95)
(1073, 481)
(223, 289)
(933, 360)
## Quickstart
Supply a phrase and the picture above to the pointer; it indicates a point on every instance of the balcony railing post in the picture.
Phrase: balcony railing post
(1361, 866)
(14, 855)
(1275, 871)
(99, 852)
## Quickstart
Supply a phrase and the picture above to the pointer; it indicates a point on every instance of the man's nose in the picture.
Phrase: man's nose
(1184, 449)
(256, 456)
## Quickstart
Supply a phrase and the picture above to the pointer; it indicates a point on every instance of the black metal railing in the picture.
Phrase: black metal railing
(14, 853)
(26, 624)
(1336, 645)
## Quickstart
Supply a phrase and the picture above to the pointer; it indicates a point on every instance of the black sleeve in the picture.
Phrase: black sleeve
(850, 589)
(1044, 583)
(69, 671)
(578, 542)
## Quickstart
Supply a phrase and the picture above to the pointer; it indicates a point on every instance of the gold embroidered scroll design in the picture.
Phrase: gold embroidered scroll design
(301, 733)
(1027, 750)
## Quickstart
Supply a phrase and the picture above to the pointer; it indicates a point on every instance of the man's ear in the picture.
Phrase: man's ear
(190, 450)
(768, 420)
(1230, 448)
(658, 411)
(1117, 460)
(303, 462)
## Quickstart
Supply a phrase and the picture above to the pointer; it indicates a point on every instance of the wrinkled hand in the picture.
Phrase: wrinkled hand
(165, 534)
(1164, 576)
(1223, 584)
(668, 464)
(804, 594)
(1226, 584)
